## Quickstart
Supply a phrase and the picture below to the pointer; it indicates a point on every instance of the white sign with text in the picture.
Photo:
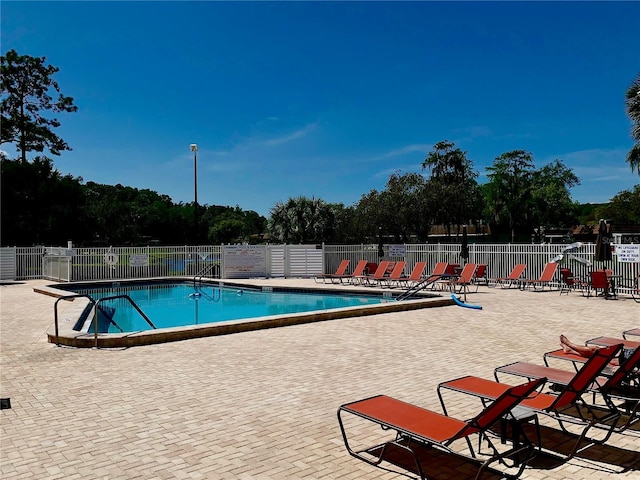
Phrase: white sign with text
(244, 261)
(397, 250)
(628, 253)
(138, 260)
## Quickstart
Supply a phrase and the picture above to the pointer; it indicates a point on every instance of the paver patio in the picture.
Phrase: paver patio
(262, 404)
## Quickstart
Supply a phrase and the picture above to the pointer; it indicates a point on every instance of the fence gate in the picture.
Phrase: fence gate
(8, 270)
(276, 261)
(303, 260)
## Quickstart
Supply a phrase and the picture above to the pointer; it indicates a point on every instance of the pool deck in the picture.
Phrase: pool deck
(262, 404)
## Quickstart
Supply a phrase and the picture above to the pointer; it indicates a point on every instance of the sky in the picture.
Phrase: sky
(328, 99)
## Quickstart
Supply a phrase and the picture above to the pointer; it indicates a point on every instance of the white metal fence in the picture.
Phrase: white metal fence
(499, 258)
(83, 264)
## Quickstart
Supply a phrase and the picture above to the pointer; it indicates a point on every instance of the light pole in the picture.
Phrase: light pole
(194, 149)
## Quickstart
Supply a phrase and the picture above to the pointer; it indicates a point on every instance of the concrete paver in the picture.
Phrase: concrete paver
(262, 404)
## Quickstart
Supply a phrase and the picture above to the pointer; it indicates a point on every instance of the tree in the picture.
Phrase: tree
(453, 183)
(26, 86)
(509, 192)
(226, 230)
(39, 205)
(550, 196)
(623, 209)
(233, 225)
(632, 104)
(342, 229)
(398, 210)
(301, 220)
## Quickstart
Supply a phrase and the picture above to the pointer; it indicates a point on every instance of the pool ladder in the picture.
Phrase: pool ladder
(421, 286)
(197, 278)
(96, 305)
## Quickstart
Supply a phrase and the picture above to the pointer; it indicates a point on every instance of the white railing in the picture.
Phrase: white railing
(499, 258)
(29, 262)
(84, 264)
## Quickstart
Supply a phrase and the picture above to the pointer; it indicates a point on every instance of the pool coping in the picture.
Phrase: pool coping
(67, 336)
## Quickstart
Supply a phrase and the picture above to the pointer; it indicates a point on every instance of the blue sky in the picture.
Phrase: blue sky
(327, 99)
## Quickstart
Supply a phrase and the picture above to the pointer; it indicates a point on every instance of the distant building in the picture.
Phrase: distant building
(625, 234)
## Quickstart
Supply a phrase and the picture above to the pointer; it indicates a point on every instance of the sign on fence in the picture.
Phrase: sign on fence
(628, 253)
(397, 250)
(244, 261)
(138, 260)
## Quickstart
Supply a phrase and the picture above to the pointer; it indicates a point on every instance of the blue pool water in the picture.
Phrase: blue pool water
(175, 305)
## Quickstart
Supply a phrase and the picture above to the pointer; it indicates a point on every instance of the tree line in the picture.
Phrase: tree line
(42, 206)
(517, 203)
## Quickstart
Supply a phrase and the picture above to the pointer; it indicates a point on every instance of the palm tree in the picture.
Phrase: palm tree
(633, 110)
(509, 189)
(300, 220)
(454, 182)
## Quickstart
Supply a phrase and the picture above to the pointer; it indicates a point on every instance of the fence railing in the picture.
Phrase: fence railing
(499, 258)
(85, 264)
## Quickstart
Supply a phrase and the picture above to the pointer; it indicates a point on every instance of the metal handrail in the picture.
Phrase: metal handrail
(115, 297)
(55, 310)
(96, 305)
(197, 278)
(422, 285)
(199, 292)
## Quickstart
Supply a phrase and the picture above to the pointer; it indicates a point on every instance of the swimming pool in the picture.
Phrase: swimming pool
(180, 304)
(182, 311)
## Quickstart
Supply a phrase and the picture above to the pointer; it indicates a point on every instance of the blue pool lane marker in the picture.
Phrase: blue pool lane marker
(462, 304)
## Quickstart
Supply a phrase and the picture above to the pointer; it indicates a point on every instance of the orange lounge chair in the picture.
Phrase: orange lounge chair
(415, 426)
(367, 279)
(480, 276)
(576, 359)
(415, 277)
(513, 278)
(462, 281)
(359, 270)
(561, 407)
(545, 279)
(608, 341)
(634, 332)
(439, 272)
(613, 389)
(334, 277)
(433, 280)
(396, 273)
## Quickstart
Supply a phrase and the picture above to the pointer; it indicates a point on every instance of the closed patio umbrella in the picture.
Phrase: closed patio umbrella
(603, 242)
(380, 245)
(464, 250)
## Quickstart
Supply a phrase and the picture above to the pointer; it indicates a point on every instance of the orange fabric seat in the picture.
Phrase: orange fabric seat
(394, 275)
(367, 279)
(513, 278)
(413, 423)
(338, 275)
(359, 270)
(620, 384)
(546, 277)
(557, 405)
(415, 277)
(462, 281)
